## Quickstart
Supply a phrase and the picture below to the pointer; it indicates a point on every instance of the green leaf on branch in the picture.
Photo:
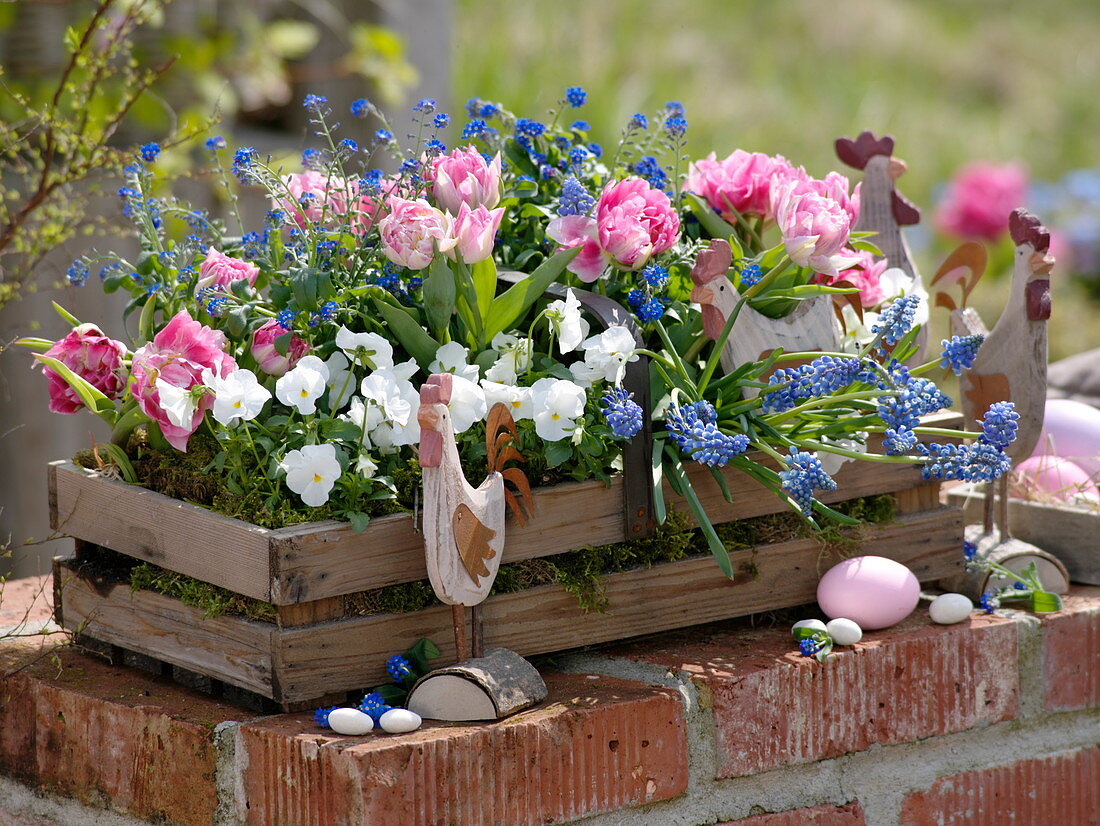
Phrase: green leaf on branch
(484, 276)
(1044, 602)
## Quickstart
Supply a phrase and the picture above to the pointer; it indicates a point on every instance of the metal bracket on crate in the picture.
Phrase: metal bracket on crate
(638, 510)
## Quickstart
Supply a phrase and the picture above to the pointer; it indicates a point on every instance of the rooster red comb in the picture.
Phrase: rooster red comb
(712, 262)
(1026, 228)
(857, 152)
(437, 389)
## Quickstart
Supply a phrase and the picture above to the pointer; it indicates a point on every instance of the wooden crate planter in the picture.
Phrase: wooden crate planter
(304, 571)
(1067, 531)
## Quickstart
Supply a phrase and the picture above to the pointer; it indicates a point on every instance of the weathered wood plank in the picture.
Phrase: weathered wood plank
(176, 535)
(352, 652)
(1067, 531)
(231, 649)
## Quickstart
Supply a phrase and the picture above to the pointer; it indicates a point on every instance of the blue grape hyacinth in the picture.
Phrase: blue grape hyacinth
(897, 319)
(803, 476)
(958, 352)
(693, 429)
(624, 416)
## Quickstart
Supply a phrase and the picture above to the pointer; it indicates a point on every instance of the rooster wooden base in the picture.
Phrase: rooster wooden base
(463, 543)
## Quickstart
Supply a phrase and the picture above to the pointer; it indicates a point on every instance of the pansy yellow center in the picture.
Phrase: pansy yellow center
(317, 477)
(515, 403)
(555, 416)
(303, 393)
(237, 405)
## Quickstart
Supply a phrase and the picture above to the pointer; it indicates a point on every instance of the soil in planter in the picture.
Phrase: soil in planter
(580, 572)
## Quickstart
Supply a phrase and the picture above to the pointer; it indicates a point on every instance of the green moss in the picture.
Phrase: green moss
(213, 601)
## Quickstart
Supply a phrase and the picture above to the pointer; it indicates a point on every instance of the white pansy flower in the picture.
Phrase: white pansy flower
(364, 416)
(311, 472)
(302, 386)
(365, 466)
(515, 358)
(237, 395)
(467, 404)
(557, 405)
(178, 403)
(452, 357)
(391, 401)
(370, 350)
(606, 356)
(856, 333)
(518, 400)
(569, 326)
(831, 462)
(340, 381)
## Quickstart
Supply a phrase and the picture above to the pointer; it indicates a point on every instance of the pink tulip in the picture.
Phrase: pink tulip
(413, 231)
(92, 356)
(177, 355)
(220, 271)
(815, 228)
(580, 231)
(741, 182)
(980, 199)
(865, 277)
(268, 358)
(464, 177)
(475, 231)
(835, 186)
(635, 222)
(371, 207)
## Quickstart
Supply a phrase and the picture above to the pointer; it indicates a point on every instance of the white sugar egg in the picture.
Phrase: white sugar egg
(399, 721)
(947, 609)
(349, 721)
(844, 631)
(816, 625)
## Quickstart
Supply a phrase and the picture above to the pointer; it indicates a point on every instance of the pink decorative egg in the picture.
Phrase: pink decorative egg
(1071, 430)
(1052, 476)
(873, 591)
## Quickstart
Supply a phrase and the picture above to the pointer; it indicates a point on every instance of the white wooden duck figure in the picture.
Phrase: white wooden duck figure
(811, 326)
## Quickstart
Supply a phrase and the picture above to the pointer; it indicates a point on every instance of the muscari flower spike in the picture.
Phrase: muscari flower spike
(999, 424)
(802, 477)
(624, 416)
(574, 199)
(958, 352)
(821, 377)
(694, 430)
(894, 322)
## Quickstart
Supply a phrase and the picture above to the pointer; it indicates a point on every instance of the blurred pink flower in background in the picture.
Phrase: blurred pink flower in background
(866, 279)
(219, 271)
(315, 196)
(980, 198)
(177, 356)
(465, 177)
(92, 356)
(267, 356)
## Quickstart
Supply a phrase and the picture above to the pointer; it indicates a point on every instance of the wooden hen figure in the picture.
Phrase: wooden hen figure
(464, 525)
(464, 541)
(1012, 362)
(809, 327)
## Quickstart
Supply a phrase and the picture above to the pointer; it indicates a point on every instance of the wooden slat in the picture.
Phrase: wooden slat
(167, 532)
(231, 649)
(353, 652)
(1068, 532)
(328, 558)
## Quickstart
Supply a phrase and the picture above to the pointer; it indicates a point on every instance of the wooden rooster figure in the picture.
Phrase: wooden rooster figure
(1012, 362)
(883, 210)
(809, 327)
(464, 525)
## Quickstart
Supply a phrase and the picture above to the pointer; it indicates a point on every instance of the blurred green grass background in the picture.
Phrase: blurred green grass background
(952, 81)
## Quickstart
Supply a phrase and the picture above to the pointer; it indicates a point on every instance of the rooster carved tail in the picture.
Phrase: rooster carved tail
(501, 437)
